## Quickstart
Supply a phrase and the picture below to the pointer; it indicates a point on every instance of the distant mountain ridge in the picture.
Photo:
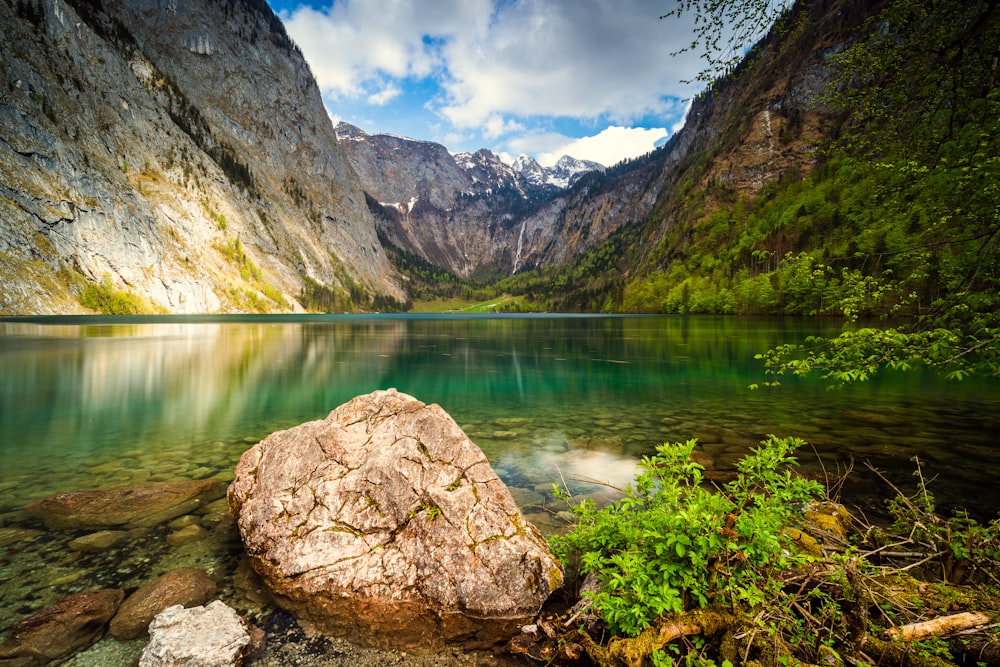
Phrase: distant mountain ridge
(563, 174)
(484, 170)
(470, 213)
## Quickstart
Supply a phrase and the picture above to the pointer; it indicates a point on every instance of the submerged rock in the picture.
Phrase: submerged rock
(68, 626)
(186, 586)
(386, 524)
(209, 636)
(144, 505)
(102, 540)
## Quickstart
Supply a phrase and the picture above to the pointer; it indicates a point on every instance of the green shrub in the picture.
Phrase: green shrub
(671, 545)
(107, 300)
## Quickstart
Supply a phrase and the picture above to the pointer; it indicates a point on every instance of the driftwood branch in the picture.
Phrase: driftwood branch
(942, 625)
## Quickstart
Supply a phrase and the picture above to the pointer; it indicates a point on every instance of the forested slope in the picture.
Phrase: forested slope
(849, 167)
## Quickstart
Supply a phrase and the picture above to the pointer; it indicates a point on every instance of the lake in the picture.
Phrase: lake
(90, 402)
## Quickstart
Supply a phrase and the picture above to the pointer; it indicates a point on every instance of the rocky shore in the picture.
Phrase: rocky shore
(426, 504)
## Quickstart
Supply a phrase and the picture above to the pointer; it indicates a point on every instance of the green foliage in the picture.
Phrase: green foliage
(724, 30)
(233, 250)
(321, 298)
(107, 300)
(592, 283)
(250, 299)
(730, 566)
(671, 544)
(900, 219)
(920, 76)
(425, 280)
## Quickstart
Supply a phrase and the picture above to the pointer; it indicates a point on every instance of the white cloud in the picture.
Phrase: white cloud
(536, 143)
(676, 127)
(609, 147)
(352, 45)
(498, 71)
(580, 58)
(496, 126)
(384, 96)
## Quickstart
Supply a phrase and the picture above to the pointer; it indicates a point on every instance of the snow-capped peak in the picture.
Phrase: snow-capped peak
(564, 173)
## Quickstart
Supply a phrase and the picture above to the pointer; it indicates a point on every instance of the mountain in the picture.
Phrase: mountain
(563, 174)
(530, 170)
(396, 169)
(488, 172)
(476, 216)
(175, 154)
(788, 190)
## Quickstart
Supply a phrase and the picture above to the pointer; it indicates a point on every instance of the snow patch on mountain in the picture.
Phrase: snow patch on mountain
(563, 174)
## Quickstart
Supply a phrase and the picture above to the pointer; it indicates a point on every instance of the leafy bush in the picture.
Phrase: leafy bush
(107, 300)
(670, 544)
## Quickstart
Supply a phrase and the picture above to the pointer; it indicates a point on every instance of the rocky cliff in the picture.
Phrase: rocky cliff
(476, 216)
(177, 151)
(766, 120)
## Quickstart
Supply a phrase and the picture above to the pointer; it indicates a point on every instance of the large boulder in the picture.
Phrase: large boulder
(68, 626)
(384, 523)
(185, 586)
(143, 505)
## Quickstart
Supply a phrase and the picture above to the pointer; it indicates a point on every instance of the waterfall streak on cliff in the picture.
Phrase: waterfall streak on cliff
(520, 244)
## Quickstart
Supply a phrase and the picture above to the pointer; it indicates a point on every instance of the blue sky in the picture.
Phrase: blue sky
(594, 79)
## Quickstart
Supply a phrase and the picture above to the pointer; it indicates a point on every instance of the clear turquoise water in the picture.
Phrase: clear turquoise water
(90, 402)
(78, 392)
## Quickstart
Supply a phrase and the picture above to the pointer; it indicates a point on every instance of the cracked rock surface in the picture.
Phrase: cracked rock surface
(386, 524)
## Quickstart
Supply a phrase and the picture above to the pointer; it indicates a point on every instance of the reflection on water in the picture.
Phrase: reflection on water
(88, 402)
(75, 392)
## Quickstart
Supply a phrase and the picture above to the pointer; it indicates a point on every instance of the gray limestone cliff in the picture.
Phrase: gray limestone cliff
(175, 150)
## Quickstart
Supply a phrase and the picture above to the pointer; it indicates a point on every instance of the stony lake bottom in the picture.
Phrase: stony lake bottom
(570, 400)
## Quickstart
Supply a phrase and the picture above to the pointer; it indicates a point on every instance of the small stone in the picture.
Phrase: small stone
(509, 422)
(212, 521)
(184, 521)
(113, 466)
(210, 636)
(704, 459)
(526, 497)
(220, 506)
(874, 418)
(66, 579)
(828, 517)
(185, 535)
(249, 584)
(805, 541)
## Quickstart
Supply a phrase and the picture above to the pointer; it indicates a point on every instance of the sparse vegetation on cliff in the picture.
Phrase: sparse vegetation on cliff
(106, 299)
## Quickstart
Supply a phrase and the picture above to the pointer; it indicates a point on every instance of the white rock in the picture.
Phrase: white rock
(209, 636)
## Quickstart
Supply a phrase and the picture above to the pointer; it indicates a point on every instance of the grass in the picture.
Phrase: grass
(459, 305)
